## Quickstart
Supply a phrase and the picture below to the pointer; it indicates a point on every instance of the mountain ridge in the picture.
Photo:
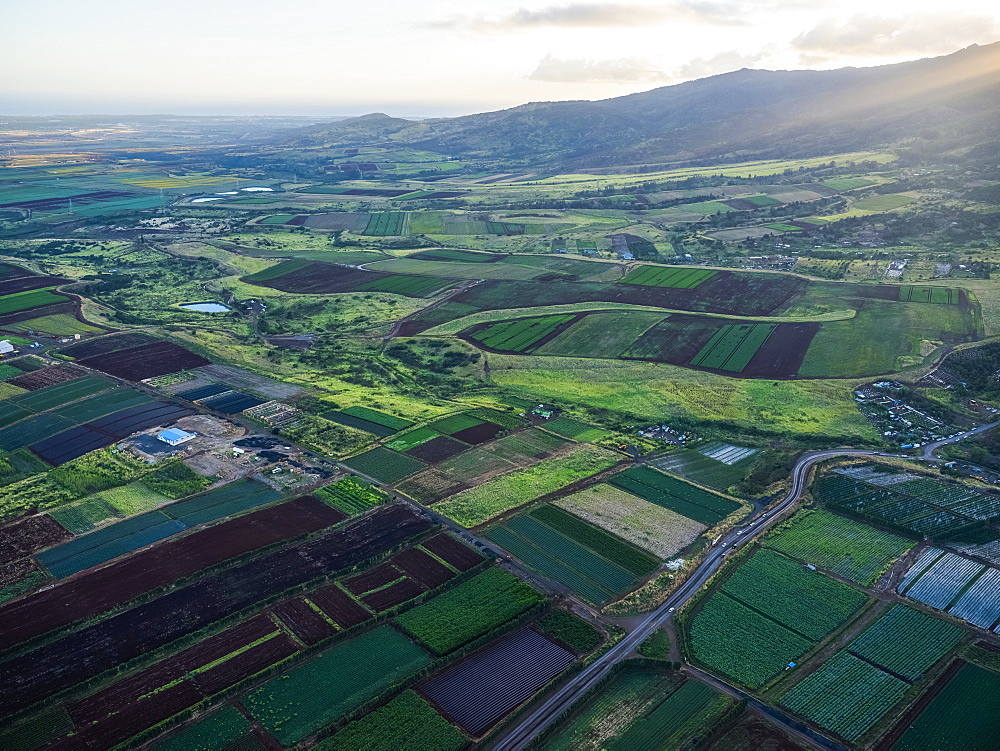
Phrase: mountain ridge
(946, 102)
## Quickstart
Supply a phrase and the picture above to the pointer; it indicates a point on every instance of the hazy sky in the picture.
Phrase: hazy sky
(408, 57)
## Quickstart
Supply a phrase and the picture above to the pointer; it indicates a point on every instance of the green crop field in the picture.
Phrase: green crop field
(937, 295)
(407, 721)
(677, 278)
(695, 466)
(575, 430)
(385, 465)
(741, 643)
(134, 498)
(845, 547)
(519, 335)
(477, 505)
(562, 558)
(804, 601)
(960, 718)
(609, 334)
(412, 439)
(278, 270)
(61, 393)
(845, 695)
(733, 346)
(399, 284)
(386, 224)
(364, 413)
(473, 608)
(219, 730)
(680, 717)
(675, 495)
(351, 496)
(455, 423)
(26, 300)
(637, 562)
(906, 641)
(317, 693)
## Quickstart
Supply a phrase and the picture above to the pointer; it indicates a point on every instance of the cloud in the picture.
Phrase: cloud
(591, 15)
(640, 70)
(869, 36)
(623, 70)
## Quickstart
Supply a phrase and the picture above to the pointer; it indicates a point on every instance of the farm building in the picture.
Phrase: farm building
(6, 347)
(175, 436)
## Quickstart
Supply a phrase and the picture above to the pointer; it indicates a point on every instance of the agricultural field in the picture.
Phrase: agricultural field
(478, 692)
(675, 495)
(958, 718)
(473, 608)
(521, 486)
(385, 465)
(655, 276)
(767, 614)
(715, 465)
(845, 695)
(351, 496)
(521, 335)
(662, 532)
(594, 564)
(962, 587)
(406, 721)
(320, 691)
(918, 506)
(842, 546)
(906, 642)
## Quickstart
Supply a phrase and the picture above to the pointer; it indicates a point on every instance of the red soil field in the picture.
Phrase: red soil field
(372, 579)
(303, 621)
(25, 537)
(146, 361)
(337, 604)
(423, 567)
(255, 659)
(39, 379)
(452, 552)
(394, 595)
(437, 449)
(477, 434)
(105, 588)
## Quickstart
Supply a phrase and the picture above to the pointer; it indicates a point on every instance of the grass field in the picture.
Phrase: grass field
(648, 390)
(59, 324)
(27, 300)
(506, 492)
(845, 547)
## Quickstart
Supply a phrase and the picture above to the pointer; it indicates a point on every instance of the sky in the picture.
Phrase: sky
(434, 58)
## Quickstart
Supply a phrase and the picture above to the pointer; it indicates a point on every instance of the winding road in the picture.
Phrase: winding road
(520, 735)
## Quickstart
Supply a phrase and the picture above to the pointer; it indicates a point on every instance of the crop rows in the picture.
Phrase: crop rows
(519, 335)
(980, 604)
(804, 601)
(845, 547)
(741, 643)
(940, 295)
(303, 700)
(845, 695)
(468, 611)
(386, 224)
(942, 582)
(677, 278)
(408, 720)
(568, 553)
(669, 723)
(479, 691)
(960, 718)
(733, 346)
(906, 642)
(351, 496)
(675, 495)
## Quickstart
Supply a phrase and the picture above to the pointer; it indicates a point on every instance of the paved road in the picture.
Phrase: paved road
(518, 736)
(930, 448)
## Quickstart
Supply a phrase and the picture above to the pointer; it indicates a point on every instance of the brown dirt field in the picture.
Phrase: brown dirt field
(437, 449)
(477, 434)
